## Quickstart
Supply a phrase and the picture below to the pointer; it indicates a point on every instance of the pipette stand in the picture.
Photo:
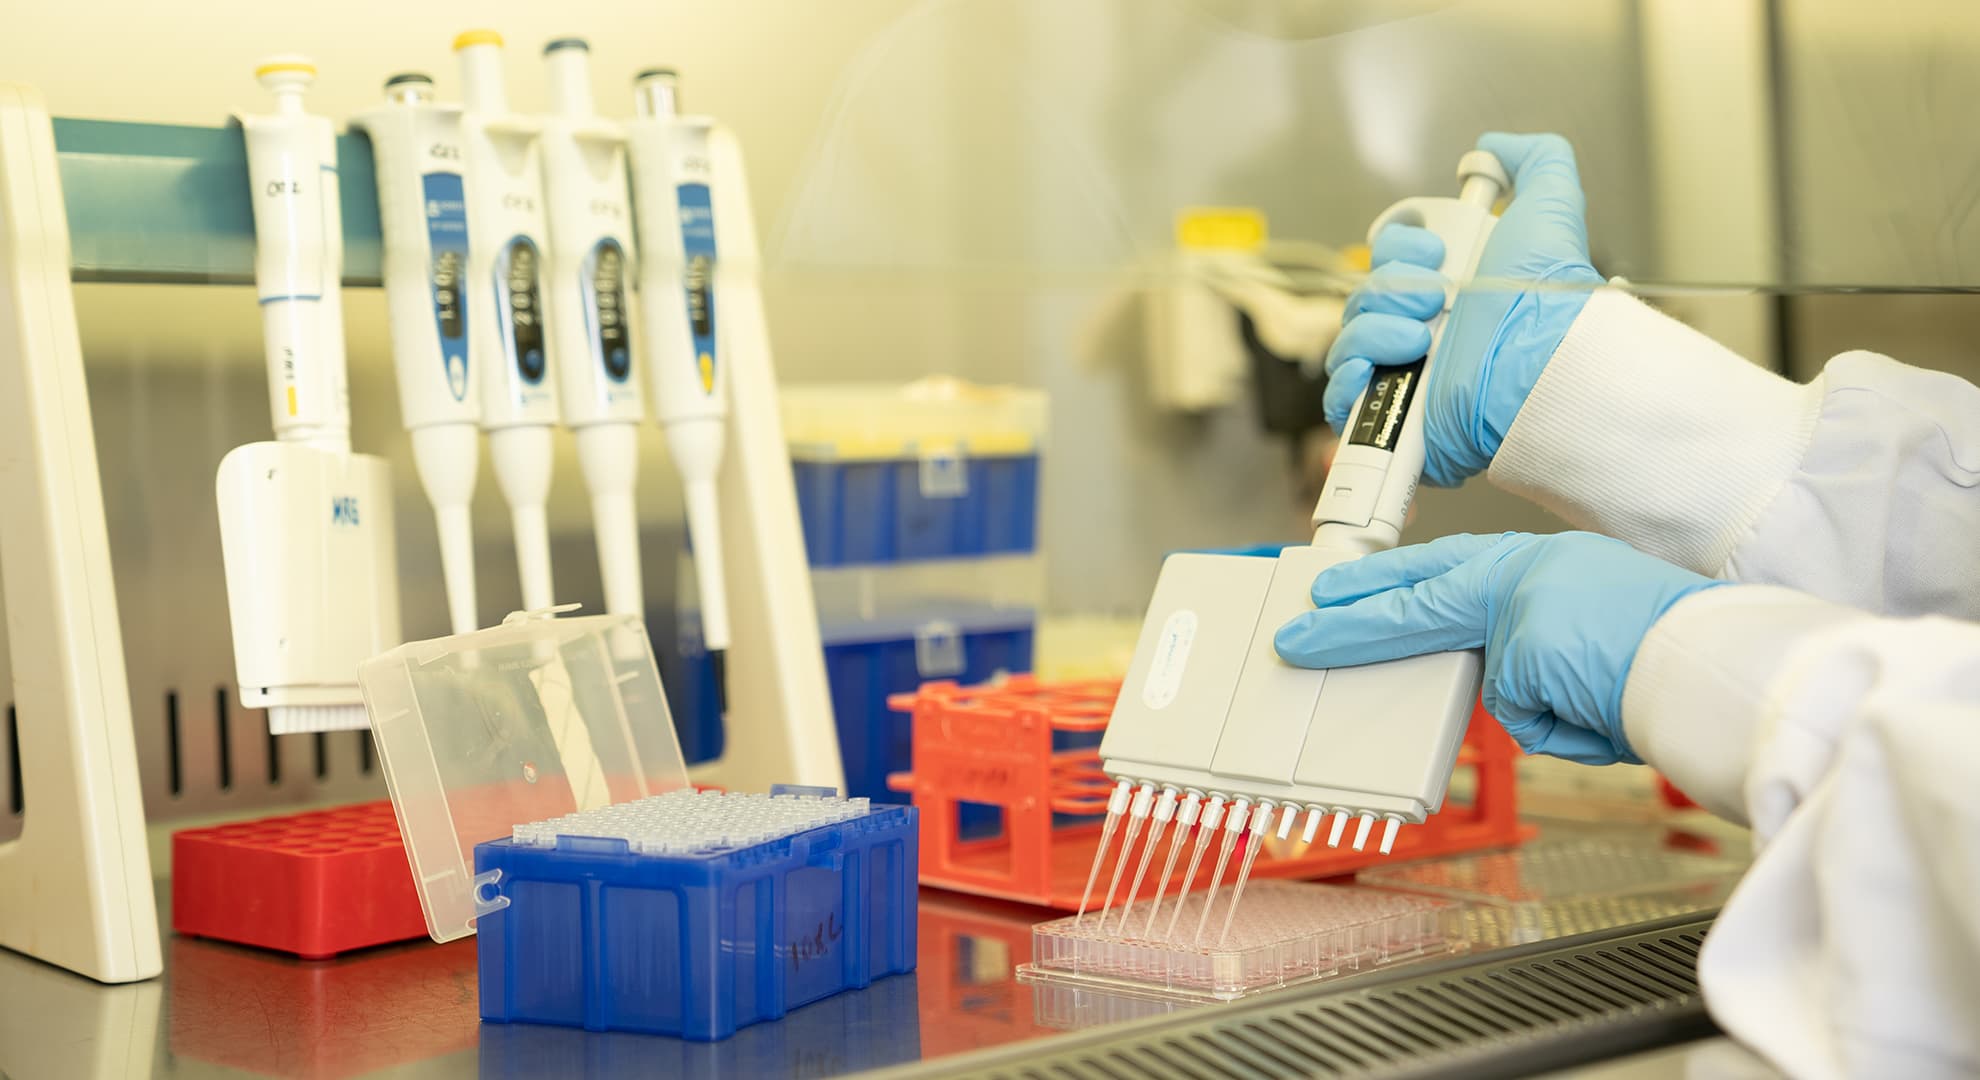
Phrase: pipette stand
(75, 886)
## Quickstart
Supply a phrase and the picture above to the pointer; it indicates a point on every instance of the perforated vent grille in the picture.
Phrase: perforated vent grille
(1485, 1018)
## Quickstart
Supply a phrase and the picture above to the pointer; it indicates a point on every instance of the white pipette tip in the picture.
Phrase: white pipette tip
(1143, 797)
(1340, 826)
(1314, 815)
(1213, 813)
(1287, 815)
(1191, 809)
(1389, 833)
(1361, 831)
(1117, 803)
(1165, 807)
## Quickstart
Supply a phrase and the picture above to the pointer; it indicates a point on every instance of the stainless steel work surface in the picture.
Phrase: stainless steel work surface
(224, 1010)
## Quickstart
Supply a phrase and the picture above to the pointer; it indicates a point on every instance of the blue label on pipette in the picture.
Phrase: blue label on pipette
(698, 277)
(446, 235)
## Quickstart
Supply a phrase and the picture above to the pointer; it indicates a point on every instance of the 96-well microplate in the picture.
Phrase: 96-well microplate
(1284, 933)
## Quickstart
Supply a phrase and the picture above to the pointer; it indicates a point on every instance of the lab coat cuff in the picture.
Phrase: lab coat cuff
(1699, 685)
(1647, 430)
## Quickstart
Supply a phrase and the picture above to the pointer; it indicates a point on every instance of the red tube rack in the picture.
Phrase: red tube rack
(992, 745)
(314, 884)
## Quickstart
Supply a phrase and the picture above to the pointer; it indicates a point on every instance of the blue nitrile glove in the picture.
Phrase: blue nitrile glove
(1560, 618)
(1502, 329)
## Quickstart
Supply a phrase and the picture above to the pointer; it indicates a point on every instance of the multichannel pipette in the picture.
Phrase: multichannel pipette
(305, 525)
(1209, 706)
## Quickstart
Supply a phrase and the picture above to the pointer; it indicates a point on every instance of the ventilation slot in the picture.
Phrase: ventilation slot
(223, 728)
(16, 796)
(175, 776)
(1545, 1007)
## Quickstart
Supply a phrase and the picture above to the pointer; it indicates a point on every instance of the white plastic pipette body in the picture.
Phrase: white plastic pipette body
(299, 259)
(422, 202)
(592, 350)
(509, 332)
(1375, 472)
(689, 252)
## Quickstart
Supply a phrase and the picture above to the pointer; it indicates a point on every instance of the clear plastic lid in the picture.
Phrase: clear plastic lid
(533, 719)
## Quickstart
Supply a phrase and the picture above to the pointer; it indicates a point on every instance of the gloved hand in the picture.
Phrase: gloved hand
(1560, 618)
(1532, 280)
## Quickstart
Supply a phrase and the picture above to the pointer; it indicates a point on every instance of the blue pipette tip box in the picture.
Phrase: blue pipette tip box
(545, 806)
(598, 936)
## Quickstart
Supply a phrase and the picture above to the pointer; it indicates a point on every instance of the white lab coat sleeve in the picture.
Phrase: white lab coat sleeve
(1862, 487)
(1851, 743)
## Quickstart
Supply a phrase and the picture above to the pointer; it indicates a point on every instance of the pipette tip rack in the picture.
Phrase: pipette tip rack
(694, 914)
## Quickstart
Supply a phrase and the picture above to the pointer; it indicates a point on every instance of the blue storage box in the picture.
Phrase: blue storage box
(543, 801)
(886, 510)
(600, 937)
(937, 469)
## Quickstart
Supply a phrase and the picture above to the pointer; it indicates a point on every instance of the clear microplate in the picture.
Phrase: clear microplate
(1284, 933)
(1551, 890)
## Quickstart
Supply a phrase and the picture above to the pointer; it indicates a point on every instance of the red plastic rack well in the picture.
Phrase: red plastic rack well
(314, 884)
(993, 745)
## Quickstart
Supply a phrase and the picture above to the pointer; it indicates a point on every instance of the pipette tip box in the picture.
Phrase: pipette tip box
(545, 807)
(611, 928)
(1284, 933)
